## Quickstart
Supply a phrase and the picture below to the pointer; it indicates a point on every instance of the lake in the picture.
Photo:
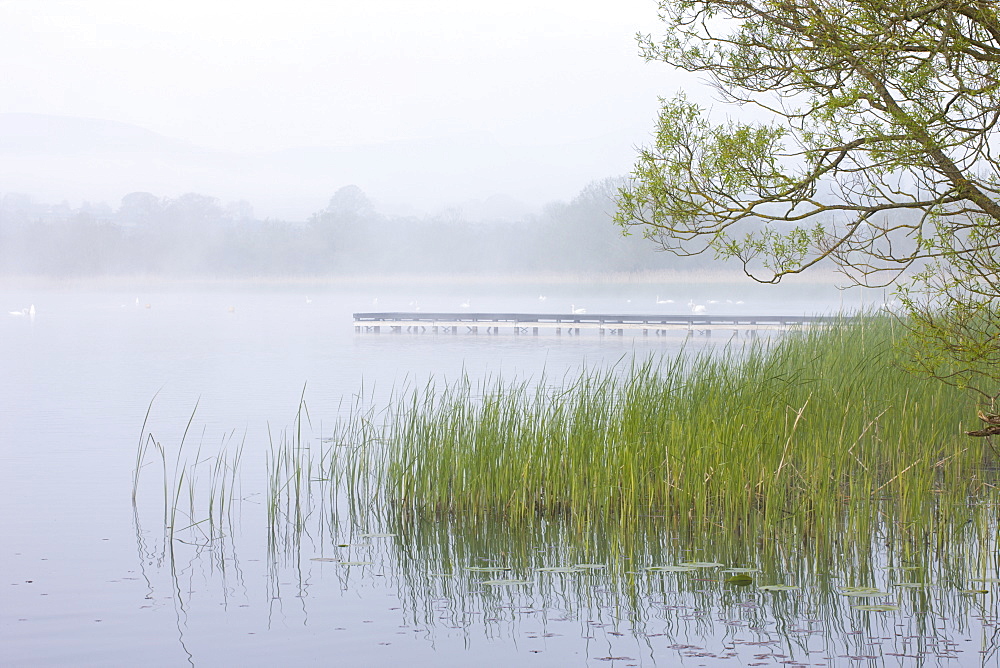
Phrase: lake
(91, 580)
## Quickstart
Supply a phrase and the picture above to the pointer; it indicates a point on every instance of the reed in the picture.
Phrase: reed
(200, 513)
(811, 429)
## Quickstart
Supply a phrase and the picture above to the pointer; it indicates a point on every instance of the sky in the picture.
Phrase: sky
(528, 99)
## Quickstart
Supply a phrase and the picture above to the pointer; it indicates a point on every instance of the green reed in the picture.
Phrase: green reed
(798, 430)
(633, 573)
(188, 504)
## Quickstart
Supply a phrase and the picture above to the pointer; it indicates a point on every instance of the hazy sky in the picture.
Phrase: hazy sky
(263, 76)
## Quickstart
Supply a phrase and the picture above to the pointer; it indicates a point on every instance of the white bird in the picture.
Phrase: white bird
(309, 301)
(713, 301)
(542, 298)
(663, 301)
(574, 309)
(696, 308)
(25, 311)
(465, 304)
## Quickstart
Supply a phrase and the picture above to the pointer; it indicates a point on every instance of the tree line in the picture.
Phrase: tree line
(196, 234)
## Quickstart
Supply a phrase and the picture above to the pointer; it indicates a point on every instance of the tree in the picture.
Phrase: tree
(876, 152)
(139, 208)
(344, 229)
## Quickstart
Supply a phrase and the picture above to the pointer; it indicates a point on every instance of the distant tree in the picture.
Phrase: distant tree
(139, 209)
(344, 229)
(877, 153)
(350, 202)
(193, 210)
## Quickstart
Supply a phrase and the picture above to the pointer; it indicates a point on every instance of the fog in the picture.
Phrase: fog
(199, 235)
(424, 106)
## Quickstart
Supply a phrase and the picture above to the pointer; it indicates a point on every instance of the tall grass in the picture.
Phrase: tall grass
(800, 430)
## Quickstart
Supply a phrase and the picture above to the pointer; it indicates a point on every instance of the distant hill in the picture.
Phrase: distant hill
(33, 134)
(53, 158)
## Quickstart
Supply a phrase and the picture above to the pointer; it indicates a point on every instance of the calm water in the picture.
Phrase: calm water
(87, 582)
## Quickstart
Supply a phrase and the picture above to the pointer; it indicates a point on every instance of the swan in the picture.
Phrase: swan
(542, 298)
(696, 308)
(25, 311)
(663, 301)
(308, 300)
(578, 311)
(465, 304)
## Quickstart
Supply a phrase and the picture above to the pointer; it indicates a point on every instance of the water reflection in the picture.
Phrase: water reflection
(627, 593)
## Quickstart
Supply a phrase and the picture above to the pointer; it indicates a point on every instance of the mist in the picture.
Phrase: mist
(199, 235)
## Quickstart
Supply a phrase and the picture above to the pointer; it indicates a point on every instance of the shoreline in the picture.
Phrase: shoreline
(339, 281)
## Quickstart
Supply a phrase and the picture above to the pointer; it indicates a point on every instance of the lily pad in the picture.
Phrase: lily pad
(505, 583)
(672, 569)
(594, 567)
(741, 579)
(863, 592)
(778, 587)
(876, 608)
(562, 569)
(911, 585)
(701, 564)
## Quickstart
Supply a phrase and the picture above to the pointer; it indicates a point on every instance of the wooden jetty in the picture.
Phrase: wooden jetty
(530, 323)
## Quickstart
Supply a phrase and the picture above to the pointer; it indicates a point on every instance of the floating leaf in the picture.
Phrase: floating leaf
(863, 592)
(505, 583)
(994, 580)
(911, 585)
(324, 559)
(562, 569)
(672, 569)
(876, 608)
(591, 566)
(355, 563)
(377, 535)
(778, 587)
(741, 579)
(701, 564)
(971, 592)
